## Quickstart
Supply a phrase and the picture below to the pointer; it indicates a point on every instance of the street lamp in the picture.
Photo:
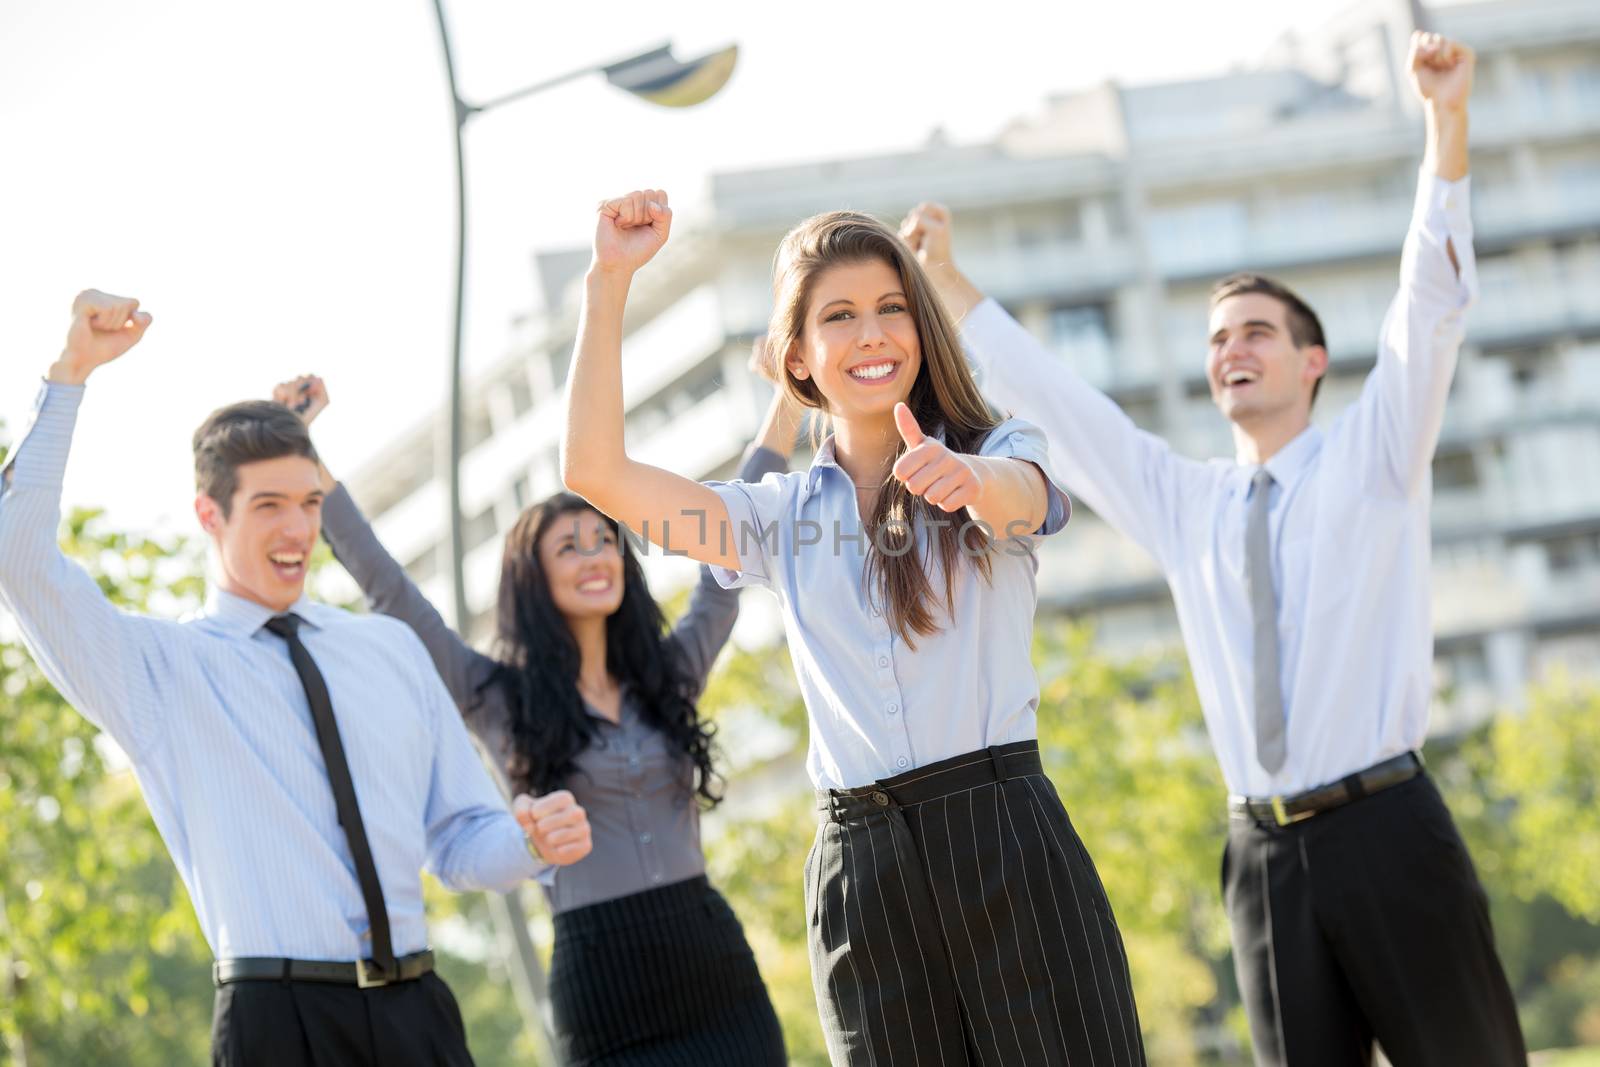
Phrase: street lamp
(654, 75)
(659, 77)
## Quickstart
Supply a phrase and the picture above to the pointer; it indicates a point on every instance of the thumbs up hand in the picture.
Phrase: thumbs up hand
(945, 479)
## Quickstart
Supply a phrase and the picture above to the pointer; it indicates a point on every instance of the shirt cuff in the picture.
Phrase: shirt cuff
(1444, 208)
(1442, 214)
(745, 526)
(1015, 439)
(40, 456)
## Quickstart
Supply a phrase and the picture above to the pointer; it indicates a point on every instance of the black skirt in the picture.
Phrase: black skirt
(664, 976)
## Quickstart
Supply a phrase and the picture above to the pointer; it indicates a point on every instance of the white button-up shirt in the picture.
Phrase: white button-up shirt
(217, 725)
(877, 707)
(1348, 521)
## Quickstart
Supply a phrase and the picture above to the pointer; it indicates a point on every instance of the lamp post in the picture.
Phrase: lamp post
(659, 77)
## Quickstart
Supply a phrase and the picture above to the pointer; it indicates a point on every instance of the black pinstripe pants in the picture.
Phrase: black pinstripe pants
(955, 918)
(660, 978)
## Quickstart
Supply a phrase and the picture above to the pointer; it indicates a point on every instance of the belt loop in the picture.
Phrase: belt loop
(998, 758)
(1355, 786)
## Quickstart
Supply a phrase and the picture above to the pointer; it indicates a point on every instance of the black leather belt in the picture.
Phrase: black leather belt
(363, 973)
(1283, 810)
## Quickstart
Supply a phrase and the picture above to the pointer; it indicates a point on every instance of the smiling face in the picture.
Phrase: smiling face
(1257, 373)
(858, 343)
(265, 537)
(581, 559)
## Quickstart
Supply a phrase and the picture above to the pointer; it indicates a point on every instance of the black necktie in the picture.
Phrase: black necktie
(344, 790)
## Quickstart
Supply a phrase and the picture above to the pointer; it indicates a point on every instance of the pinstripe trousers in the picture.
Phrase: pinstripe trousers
(955, 919)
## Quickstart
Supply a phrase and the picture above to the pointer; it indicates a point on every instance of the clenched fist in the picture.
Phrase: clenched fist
(1441, 70)
(306, 396)
(103, 328)
(926, 231)
(630, 230)
(557, 827)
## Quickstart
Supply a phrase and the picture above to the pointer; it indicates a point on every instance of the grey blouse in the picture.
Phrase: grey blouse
(637, 791)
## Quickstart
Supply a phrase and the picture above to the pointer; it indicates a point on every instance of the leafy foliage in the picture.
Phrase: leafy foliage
(101, 960)
(106, 961)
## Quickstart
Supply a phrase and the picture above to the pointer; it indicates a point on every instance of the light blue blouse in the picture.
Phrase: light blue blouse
(877, 707)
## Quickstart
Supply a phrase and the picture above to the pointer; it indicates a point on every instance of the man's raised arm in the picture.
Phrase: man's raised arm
(84, 645)
(1402, 405)
(1131, 478)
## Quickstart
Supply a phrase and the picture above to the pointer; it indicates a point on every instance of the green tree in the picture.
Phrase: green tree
(98, 942)
(1125, 743)
(1522, 787)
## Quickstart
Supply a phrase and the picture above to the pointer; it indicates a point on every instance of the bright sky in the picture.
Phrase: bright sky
(274, 181)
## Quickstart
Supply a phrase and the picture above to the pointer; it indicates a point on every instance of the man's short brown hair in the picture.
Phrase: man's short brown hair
(1304, 326)
(247, 432)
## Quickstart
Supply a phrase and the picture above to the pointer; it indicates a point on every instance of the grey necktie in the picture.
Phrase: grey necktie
(1271, 746)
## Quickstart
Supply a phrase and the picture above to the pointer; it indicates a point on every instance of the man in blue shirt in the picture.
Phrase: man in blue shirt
(302, 763)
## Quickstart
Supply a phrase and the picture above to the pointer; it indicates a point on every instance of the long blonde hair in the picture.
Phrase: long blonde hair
(944, 398)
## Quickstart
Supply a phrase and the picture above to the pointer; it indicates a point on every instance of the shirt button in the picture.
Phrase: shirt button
(656, 878)
(892, 709)
(633, 761)
(902, 761)
(883, 661)
(644, 838)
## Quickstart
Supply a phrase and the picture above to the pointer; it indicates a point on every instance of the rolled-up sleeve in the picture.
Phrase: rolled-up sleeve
(756, 512)
(1017, 439)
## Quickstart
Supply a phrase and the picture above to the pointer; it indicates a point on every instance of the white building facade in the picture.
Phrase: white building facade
(1101, 224)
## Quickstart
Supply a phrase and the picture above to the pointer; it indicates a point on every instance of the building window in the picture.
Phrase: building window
(1462, 667)
(1586, 81)
(425, 565)
(1573, 553)
(478, 529)
(475, 428)
(1455, 470)
(1048, 225)
(1081, 337)
(521, 394)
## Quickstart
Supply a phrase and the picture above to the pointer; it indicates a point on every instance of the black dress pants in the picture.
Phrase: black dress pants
(956, 920)
(1367, 923)
(275, 1023)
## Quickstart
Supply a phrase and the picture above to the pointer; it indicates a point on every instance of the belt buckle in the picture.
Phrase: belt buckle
(1281, 815)
(370, 976)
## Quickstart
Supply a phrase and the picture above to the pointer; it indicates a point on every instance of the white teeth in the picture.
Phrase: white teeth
(1238, 378)
(881, 370)
(594, 585)
(287, 561)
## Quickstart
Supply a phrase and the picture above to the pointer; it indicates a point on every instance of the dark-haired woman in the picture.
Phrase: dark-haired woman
(587, 692)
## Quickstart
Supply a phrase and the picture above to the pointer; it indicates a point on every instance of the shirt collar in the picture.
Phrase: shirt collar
(1290, 463)
(244, 617)
(827, 457)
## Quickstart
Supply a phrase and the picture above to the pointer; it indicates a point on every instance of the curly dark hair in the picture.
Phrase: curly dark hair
(539, 662)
